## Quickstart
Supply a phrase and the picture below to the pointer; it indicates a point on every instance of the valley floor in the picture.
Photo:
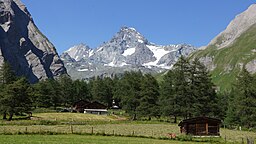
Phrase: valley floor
(86, 128)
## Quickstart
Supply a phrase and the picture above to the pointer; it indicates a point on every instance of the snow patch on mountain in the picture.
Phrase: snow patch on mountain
(81, 70)
(91, 52)
(129, 51)
(158, 51)
(140, 41)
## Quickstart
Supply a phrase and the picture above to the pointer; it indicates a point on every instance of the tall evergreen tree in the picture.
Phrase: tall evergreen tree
(47, 94)
(16, 97)
(98, 90)
(102, 90)
(202, 90)
(181, 86)
(81, 90)
(187, 91)
(109, 89)
(169, 103)
(67, 90)
(7, 76)
(232, 117)
(128, 92)
(245, 97)
(149, 97)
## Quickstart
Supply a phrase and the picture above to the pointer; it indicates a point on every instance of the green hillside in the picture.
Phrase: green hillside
(230, 60)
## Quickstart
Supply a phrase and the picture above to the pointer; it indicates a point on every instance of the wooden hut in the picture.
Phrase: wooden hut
(201, 126)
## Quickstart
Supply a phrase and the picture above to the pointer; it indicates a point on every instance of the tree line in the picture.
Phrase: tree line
(186, 91)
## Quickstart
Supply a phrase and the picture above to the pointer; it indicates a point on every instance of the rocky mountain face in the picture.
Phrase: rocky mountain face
(232, 49)
(28, 51)
(236, 27)
(127, 50)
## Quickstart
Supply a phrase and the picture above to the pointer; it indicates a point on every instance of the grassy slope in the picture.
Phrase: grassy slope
(232, 56)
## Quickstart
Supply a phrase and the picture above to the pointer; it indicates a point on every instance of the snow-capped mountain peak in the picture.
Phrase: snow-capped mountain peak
(127, 50)
(79, 52)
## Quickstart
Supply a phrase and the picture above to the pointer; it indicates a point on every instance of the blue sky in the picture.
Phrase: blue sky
(70, 22)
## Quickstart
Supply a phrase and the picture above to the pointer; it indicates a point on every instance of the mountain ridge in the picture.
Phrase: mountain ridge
(235, 28)
(127, 49)
(231, 50)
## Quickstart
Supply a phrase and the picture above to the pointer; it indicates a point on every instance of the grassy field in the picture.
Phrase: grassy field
(68, 123)
(75, 117)
(149, 130)
(79, 139)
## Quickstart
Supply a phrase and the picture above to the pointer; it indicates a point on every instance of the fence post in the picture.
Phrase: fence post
(92, 130)
(26, 130)
(71, 128)
(113, 132)
(250, 140)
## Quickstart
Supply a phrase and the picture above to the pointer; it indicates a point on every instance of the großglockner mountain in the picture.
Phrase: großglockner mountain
(28, 51)
(127, 50)
(232, 49)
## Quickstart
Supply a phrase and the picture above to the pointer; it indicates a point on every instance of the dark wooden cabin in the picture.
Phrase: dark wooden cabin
(201, 126)
(80, 105)
(96, 108)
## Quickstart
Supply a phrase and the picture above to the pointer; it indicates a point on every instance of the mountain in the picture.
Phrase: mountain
(127, 50)
(232, 49)
(28, 51)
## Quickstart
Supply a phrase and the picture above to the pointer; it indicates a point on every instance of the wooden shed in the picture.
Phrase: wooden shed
(201, 126)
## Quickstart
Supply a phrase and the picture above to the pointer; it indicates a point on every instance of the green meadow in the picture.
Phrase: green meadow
(88, 128)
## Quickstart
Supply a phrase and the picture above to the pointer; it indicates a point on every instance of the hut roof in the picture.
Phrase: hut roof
(196, 119)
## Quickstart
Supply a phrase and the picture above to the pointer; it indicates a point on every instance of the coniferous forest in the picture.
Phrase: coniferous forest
(186, 91)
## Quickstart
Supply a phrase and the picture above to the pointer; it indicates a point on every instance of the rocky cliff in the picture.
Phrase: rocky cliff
(236, 27)
(28, 51)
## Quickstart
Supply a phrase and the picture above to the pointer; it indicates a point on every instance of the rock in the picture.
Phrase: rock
(28, 51)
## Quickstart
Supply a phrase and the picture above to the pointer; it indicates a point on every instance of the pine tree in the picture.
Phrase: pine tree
(16, 98)
(169, 103)
(232, 116)
(47, 93)
(149, 97)
(109, 89)
(246, 98)
(202, 90)
(181, 87)
(187, 91)
(81, 90)
(67, 90)
(7, 76)
(128, 92)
